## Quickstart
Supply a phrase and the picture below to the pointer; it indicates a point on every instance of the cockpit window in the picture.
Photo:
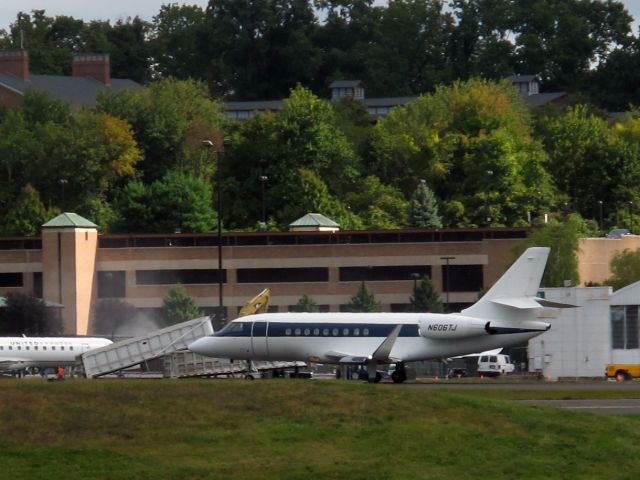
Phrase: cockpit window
(235, 329)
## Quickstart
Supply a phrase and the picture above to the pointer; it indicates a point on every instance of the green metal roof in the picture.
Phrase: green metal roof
(47, 303)
(314, 220)
(69, 220)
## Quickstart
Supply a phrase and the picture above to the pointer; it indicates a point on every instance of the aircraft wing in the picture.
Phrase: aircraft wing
(12, 364)
(347, 358)
(380, 354)
(488, 352)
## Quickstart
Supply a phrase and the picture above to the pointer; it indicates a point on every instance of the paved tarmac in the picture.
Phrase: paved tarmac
(623, 406)
(617, 406)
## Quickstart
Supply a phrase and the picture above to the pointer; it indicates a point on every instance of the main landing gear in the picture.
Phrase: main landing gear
(399, 375)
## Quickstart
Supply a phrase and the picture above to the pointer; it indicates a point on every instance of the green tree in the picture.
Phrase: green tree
(473, 142)
(177, 202)
(179, 307)
(582, 147)
(562, 237)
(25, 314)
(423, 208)
(177, 41)
(306, 304)
(425, 298)
(50, 41)
(165, 116)
(480, 44)
(561, 39)
(308, 136)
(309, 163)
(625, 269)
(259, 49)
(379, 206)
(364, 301)
(129, 49)
(26, 215)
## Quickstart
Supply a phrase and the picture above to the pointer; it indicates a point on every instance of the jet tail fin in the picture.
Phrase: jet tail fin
(516, 288)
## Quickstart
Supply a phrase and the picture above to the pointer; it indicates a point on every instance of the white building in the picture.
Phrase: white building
(582, 341)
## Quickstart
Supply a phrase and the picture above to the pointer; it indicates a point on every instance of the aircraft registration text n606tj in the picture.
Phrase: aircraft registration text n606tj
(439, 327)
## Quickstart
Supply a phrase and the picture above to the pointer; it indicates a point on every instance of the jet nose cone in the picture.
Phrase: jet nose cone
(199, 346)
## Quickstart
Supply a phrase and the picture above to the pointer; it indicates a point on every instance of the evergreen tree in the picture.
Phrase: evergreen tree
(423, 208)
(425, 298)
(364, 301)
(25, 314)
(306, 304)
(26, 215)
(179, 307)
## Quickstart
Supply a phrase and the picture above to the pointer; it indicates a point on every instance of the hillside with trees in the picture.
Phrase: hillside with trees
(466, 152)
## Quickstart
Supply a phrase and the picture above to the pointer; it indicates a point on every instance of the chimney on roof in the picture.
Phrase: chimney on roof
(94, 65)
(15, 62)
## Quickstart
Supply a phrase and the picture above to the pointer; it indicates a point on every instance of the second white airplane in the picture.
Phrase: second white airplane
(503, 317)
(17, 353)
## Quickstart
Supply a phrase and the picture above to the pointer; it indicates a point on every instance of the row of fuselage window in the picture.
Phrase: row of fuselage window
(35, 348)
(346, 332)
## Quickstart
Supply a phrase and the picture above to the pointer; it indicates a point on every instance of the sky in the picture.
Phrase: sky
(121, 9)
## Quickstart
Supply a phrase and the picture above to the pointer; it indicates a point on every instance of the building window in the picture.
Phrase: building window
(173, 277)
(282, 275)
(462, 278)
(37, 284)
(624, 327)
(380, 274)
(111, 284)
(11, 279)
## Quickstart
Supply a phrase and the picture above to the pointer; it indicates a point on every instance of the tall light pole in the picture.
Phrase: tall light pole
(210, 145)
(415, 277)
(448, 281)
(486, 193)
(630, 217)
(600, 208)
(263, 181)
(63, 183)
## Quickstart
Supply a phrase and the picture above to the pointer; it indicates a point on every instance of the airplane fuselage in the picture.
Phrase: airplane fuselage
(321, 337)
(22, 352)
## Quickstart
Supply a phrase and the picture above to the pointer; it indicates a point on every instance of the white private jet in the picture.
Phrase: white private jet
(504, 316)
(17, 353)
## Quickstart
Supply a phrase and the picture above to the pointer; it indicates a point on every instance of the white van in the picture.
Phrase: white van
(494, 365)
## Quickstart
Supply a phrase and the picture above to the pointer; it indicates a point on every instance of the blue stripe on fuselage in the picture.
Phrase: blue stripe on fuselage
(295, 329)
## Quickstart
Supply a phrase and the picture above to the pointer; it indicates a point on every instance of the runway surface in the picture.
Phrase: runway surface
(623, 406)
(617, 406)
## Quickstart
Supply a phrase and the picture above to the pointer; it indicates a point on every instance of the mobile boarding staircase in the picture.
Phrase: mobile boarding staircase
(133, 351)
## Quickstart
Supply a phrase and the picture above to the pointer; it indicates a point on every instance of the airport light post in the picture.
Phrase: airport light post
(448, 280)
(263, 181)
(600, 208)
(415, 277)
(210, 145)
(63, 183)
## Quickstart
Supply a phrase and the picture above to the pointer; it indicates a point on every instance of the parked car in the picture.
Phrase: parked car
(457, 373)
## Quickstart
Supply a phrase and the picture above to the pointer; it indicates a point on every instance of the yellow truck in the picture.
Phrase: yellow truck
(622, 371)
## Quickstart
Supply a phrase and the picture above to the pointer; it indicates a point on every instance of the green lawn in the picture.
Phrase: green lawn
(284, 429)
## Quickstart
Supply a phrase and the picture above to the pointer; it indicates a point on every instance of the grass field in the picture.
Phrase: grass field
(167, 429)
